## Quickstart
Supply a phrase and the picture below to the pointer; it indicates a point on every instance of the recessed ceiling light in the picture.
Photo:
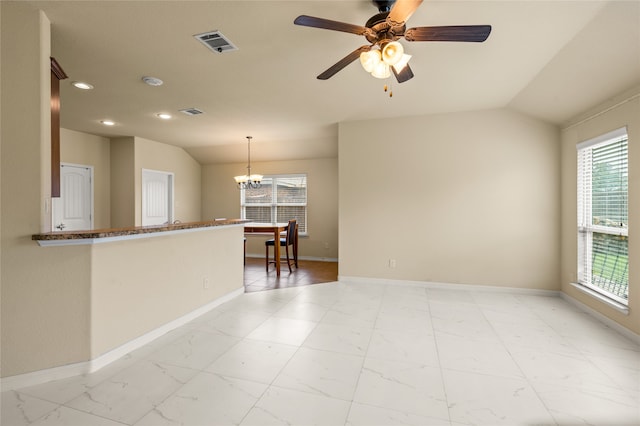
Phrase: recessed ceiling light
(108, 122)
(82, 85)
(164, 115)
(152, 81)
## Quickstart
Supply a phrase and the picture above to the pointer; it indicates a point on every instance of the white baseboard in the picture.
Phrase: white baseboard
(43, 376)
(602, 318)
(449, 286)
(79, 368)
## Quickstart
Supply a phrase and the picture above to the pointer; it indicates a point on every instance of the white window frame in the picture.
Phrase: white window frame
(274, 204)
(586, 228)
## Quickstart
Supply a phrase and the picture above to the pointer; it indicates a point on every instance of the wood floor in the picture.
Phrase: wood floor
(309, 272)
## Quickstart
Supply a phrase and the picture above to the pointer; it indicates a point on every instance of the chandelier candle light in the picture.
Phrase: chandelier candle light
(248, 180)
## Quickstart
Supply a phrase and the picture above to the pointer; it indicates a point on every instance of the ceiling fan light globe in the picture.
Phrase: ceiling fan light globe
(369, 60)
(402, 63)
(392, 53)
(381, 71)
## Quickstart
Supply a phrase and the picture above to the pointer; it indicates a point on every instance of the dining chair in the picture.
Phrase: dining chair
(288, 240)
(295, 247)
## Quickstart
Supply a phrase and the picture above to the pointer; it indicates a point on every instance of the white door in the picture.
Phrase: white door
(157, 197)
(73, 210)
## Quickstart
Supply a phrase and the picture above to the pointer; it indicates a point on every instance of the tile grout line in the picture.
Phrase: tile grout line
(440, 367)
(364, 360)
(524, 375)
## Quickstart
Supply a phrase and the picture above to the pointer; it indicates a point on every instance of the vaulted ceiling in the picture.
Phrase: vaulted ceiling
(549, 59)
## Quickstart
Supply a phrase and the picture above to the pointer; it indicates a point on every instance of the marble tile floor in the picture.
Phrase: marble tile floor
(359, 354)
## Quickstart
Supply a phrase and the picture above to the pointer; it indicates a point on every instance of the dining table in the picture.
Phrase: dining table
(268, 228)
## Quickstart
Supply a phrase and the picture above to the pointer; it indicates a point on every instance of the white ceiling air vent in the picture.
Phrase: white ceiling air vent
(216, 41)
(191, 111)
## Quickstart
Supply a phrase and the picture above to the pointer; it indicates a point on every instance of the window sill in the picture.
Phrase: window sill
(623, 309)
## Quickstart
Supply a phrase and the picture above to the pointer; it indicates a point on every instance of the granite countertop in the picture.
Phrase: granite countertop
(133, 230)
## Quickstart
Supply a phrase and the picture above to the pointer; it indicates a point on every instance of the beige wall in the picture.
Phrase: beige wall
(165, 282)
(609, 118)
(45, 311)
(468, 198)
(90, 150)
(129, 155)
(221, 198)
(123, 192)
(167, 158)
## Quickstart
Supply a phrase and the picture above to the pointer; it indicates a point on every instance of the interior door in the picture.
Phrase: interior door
(73, 210)
(157, 197)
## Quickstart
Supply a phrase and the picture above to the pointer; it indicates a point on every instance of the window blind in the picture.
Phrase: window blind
(603, 215)
(279, 198)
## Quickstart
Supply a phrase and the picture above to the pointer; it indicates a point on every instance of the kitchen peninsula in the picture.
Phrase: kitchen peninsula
(117, 234)
(132, 285)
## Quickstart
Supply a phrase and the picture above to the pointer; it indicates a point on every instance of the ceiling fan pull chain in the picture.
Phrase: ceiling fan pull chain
(389, 89)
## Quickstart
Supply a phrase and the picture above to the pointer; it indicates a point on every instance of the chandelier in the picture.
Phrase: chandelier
(248, 180)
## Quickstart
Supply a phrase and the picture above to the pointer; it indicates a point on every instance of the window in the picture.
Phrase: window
(603, 229)
(278, 199)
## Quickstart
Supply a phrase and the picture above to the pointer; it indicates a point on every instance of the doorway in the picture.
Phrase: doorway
(73, 210)
(157, 197)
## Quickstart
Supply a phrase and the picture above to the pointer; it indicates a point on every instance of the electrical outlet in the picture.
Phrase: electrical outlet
(392, 263)
(205, 283)
(326, 245)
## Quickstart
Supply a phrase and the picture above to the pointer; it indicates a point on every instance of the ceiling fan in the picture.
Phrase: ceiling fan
(383, 31)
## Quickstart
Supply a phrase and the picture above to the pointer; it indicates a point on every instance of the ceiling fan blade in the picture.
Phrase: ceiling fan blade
(473, 33)
(404, 75)
(327, 24)
(343, 62)
(402, 11)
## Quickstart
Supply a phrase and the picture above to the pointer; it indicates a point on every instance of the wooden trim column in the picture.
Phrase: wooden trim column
(57, 74)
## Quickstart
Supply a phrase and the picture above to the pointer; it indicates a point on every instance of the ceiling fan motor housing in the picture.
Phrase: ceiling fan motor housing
(383, 6)
(381, 31)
